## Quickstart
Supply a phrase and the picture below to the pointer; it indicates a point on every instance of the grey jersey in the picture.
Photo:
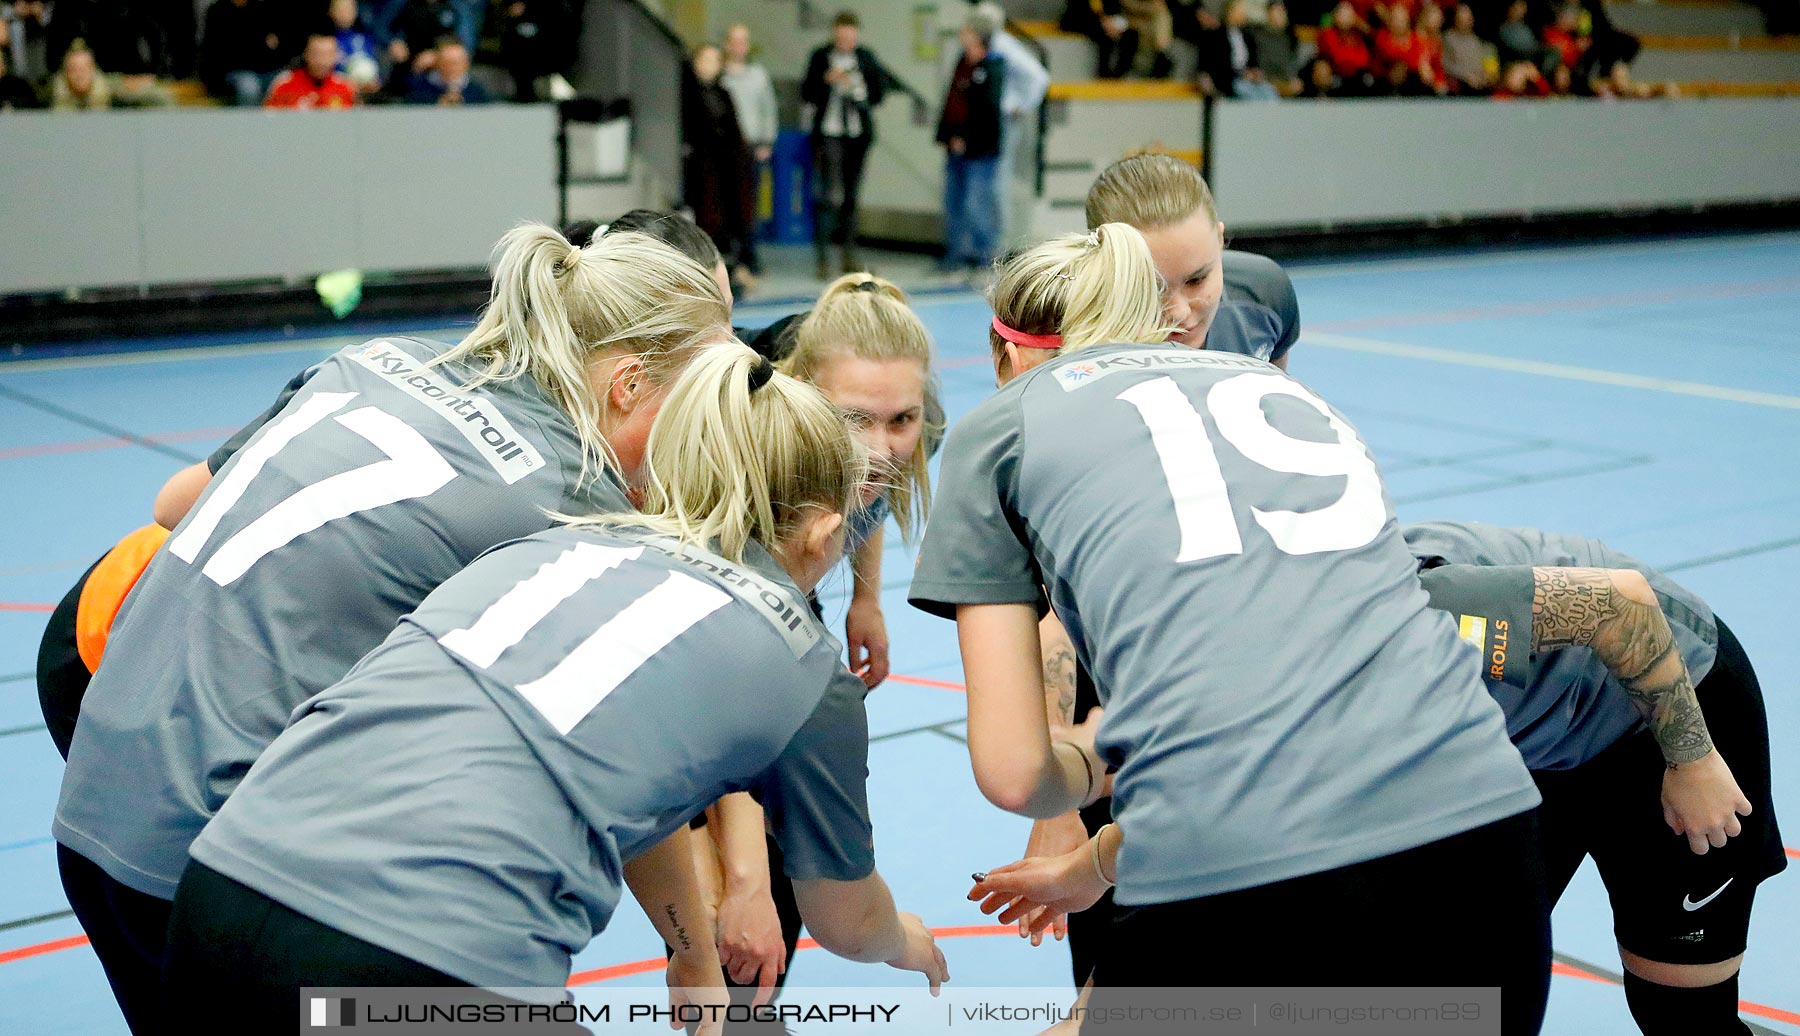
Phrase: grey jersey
(1258, 313)
(379, 479)
(1280, 699)
(1572, 709)
(466, 796)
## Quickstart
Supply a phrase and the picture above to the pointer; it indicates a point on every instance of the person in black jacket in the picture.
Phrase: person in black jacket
(969, 129)
(844, 84)
(717, 167)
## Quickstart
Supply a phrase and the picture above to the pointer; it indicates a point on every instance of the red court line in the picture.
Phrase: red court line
(1792, 852)
(42, 948)
(112, 443)
(25, 606)
(640, 967)
(942, 685)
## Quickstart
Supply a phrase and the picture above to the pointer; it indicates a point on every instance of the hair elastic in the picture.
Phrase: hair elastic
(1020, 338)
(760, 372)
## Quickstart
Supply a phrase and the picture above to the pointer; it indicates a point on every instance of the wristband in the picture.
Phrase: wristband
(1094, 854)
(1087, 797)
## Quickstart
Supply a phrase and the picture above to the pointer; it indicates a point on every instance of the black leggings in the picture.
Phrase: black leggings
(237, 961)
(1468, 910)
(128, 931)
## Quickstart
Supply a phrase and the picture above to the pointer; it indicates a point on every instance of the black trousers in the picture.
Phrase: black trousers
(787, 908)
(129, 932)
(237, 961)
(1468, 910)
(837, 183)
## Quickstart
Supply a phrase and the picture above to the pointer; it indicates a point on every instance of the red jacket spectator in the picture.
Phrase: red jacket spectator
(315, 84)
(296, 88)
(1346, 49)
(1571, 43)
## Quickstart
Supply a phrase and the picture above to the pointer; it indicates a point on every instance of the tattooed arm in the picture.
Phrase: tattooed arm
(1059, 673)
(662, 880)
(1615, 612)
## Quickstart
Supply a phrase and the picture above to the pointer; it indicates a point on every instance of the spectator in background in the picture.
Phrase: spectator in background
(1469, 60)
(1568, 37)
(753, 97)
(1407, 59)
(1102, 21)
(1027, 83)
(315, 83)
(27, 39)
(129, 40)
(1154, 25)
(537, 40)
(241, 51)
(15, 91)
(1522, 79)
(1229, 62)
(398, 19)
(1609, 47)
(717, 166)
(844, 85)
(79, 84)
(1344, 45)
(359, 56)
(969, 130)
(1519, 43)
(417, 28)
(446, 78)
(1278, 50)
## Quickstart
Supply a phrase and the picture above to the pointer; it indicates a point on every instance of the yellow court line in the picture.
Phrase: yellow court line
(1564, 371)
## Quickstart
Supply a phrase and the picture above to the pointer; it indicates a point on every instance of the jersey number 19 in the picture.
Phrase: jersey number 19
(1197, 485)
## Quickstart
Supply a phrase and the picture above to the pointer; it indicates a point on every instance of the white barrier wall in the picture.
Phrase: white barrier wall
(109, 199)
(1314, 165)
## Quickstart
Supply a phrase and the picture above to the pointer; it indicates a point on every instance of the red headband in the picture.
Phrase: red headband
(1017, 337)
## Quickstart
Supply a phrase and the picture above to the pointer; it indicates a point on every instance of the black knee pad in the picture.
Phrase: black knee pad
(1674, 1011)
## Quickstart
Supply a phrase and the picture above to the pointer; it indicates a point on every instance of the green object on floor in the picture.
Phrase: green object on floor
(341, 291)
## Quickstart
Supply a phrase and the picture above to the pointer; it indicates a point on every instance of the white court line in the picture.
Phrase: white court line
(1302, 272)
(1564, 371)
(206, 352)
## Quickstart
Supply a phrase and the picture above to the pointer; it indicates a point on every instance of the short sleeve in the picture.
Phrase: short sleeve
(218, 457)
(974, 550)
(1262, 281)
(1492, 609)
(816, 793)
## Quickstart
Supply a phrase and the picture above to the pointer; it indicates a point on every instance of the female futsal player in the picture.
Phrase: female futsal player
(1294, 730)
(557, 709)
(1612, 785)
(1216, 298)
(871, 355)
(1629, 768)
(390, 467)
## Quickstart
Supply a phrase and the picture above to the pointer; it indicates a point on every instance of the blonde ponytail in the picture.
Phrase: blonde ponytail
(729, 463)
(866, 316)
(1098, 288)
(557, 307)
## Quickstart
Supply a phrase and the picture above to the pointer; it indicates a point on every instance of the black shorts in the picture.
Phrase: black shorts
(1670, 904)
(62, 677)
(1466, 910)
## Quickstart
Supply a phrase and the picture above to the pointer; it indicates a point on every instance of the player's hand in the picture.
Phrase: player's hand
(865, 632)
(921, 953)
(750, 943)
(1053, 837)
(695, 978)
(1703, 801)
(1041, 888)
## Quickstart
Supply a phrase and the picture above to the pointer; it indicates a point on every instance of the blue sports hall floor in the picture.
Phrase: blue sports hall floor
(1647, 394)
